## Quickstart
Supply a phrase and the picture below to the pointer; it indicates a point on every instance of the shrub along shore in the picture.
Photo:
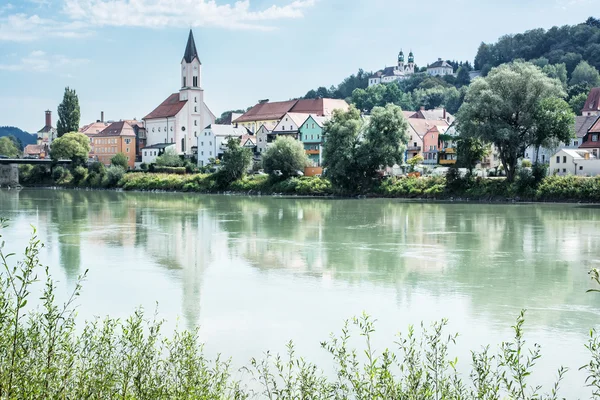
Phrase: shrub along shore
(525, 188)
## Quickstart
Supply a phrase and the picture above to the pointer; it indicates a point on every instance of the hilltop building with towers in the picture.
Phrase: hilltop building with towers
(390, 74)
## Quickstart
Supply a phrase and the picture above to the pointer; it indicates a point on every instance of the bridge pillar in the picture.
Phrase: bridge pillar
(9, 175)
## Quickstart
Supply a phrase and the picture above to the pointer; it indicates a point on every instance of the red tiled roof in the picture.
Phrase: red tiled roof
(583, 124)
(267, 111)
(593, 101)
(320, 107)
(120, 128)
(590, 145)
(35, 149)
(595, 128)
(168, 108)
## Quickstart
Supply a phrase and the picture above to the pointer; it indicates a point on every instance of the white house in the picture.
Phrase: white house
(149, 153)
(262, 135)
(213, 139)
(583, 123)
(574, 162)
(398, 72)
(440, 68)
(182, 116)
(290, 124)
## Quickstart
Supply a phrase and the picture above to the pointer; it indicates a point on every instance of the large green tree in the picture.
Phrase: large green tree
(585, 74)
(72, 146)
(68, 113)
(120, 160)
(354, 152)
(577, 102)
(235, 162)
(462, 77)
(287, 155)
(8, 147)
(509, 109)
(470, 151)
(555, 124)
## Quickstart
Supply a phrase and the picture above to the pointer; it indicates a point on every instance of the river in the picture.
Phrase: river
(255, 272)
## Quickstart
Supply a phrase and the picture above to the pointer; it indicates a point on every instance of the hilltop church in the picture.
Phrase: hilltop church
(183, 115)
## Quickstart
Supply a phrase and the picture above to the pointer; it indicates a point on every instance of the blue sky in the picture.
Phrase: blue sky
(122, 56)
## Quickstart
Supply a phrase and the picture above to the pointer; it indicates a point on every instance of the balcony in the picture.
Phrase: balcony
(413, 148)
(449, 150)
(313, 152)
(447, 162)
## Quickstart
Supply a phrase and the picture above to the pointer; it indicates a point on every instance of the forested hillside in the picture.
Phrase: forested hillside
(23, 137)
(567, 45)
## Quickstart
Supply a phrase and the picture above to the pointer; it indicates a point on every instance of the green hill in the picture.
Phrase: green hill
(21, 136)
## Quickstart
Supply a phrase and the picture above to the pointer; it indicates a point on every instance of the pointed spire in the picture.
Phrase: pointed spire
(190, 49)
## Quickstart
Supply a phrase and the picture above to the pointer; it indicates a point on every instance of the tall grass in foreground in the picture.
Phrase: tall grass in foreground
(42, 355)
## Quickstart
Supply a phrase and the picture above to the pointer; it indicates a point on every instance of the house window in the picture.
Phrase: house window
(195, 99)
(283, 127)
(565, 159)
(182, 144)
(575, 143)
(195, 109)
(581, 168)
(195, 123)
(415, 144)
(291, 128)
(159, 128)
(128, 150)
(594, 138)
(172, 140)
(210, 143)
(210, 153)
(201, 153)
(558, 159)
(313, 126)
(564, 170)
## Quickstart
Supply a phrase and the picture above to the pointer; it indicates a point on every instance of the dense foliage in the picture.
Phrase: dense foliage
(287, 155)
(354, 151)
(120, 160)
(72, 146)
(8, 147)
(514, 107)
(235, 162)
(566, 44)
(46, 354)
(68, 113)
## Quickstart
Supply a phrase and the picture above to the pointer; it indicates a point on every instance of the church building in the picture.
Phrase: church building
(182, 116)
(398, 72)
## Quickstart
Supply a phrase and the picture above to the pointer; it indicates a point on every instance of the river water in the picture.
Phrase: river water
(255, 272)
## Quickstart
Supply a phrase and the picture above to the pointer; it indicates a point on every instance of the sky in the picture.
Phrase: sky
(123, 56)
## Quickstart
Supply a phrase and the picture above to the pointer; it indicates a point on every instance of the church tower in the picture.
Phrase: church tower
(401, 61)
(191, 91)
(411, 62)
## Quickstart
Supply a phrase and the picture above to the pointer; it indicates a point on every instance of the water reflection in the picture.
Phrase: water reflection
(501, 257)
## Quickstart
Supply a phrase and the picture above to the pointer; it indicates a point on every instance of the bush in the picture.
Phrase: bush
(169, 158)
(120, 160)
(58, 173)
(80, 175)
(38, 174)
(113, 175)
(144, 166)
(286, 155)
(526, 163)
(170, 170)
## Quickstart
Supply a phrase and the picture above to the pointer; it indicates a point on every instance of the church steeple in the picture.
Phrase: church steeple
(190, 49)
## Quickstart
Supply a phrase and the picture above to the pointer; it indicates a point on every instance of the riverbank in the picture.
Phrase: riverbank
(525, 189)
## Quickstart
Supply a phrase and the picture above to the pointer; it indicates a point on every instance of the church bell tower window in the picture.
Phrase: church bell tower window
(184, 82)
(195, 81)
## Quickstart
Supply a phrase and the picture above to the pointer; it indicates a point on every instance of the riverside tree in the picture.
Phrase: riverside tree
(8, 147)
(73, 146)
(287, 155)
(508, 108)
(120, 160)
(68, 113)
(236, 161)
(354, 152)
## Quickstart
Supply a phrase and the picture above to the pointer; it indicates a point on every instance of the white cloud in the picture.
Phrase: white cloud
(23, 28)
(84, 15)
(177, 13)
(39, 61)
(6, 7)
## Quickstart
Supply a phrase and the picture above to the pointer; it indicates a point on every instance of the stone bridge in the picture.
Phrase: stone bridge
(9, 168)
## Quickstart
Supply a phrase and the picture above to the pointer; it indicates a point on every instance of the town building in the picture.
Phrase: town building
(182, 116)
(311, 135)
(419, 123)
(583, 123)
(150, 153)
(270, 113)
(591, 140)
(118, 137)
(48, 133)
(213, 140)
(262, 136)
(399, 72)
(431, 143)
(592, 104)
(36, 151)
(249, 142)
(440, 68)
(574, 162)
